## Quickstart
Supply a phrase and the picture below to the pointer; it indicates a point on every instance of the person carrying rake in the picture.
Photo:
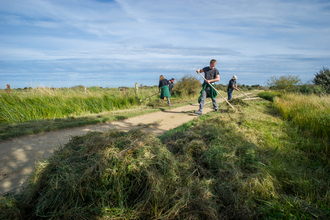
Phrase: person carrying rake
(231, 86)
(211, 75)
(163, 89)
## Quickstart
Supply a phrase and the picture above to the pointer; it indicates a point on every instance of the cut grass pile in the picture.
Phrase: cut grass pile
(245, 165)
(116, 175)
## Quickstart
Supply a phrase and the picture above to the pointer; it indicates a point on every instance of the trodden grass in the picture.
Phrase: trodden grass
(246, 165)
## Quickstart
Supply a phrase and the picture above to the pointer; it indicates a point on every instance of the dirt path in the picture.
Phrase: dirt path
(19, 155)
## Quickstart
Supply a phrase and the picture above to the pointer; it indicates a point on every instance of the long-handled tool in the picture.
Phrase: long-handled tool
(217, 91)
(248, 98)
(148, 97)
(244, 94)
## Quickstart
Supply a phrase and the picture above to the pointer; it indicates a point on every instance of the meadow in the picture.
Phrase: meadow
(34, 110)
(257, 163)
(46, 103)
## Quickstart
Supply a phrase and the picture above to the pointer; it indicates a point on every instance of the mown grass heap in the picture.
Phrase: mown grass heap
(117, 174)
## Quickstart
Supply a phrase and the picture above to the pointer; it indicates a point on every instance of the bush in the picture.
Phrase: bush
(323, 79)
(283, 82)
(187, 86)
(306, 89)
(221, 87)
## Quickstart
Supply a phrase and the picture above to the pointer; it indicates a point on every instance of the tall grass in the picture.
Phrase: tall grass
(308, 112)
(44, 103)
(269, 95)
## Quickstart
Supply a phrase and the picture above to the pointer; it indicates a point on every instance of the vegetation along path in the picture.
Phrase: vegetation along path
(18, 156)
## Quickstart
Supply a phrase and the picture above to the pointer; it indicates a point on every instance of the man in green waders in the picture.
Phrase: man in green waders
(211, 75)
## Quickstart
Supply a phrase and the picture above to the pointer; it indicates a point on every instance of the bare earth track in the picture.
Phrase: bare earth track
(18, 156)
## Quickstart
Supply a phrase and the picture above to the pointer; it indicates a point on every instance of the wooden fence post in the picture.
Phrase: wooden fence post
(136, 89)
(8, 89)
(123, 91)
(85, 89)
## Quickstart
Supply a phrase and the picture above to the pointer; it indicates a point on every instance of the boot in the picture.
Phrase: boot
(169, 103)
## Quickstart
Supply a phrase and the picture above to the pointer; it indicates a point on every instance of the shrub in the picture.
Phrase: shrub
(323, 79)
(283, 82)
(187, 85)
(220, 87)
(307, 89)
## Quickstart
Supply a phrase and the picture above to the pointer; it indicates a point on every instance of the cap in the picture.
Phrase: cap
(234, 77)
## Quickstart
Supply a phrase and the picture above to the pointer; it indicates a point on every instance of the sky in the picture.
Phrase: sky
(112, 43)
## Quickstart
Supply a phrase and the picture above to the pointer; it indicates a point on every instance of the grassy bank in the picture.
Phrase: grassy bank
(308, 112)
(44, 103)
(246, 165)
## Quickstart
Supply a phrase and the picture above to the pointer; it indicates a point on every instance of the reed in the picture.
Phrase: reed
(308, 112)
(46, 103)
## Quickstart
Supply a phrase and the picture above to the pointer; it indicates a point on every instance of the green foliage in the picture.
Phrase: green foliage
(221, 87)
(306, 89)
(322, 78)
(269, 95)
(283, 82)
(187, 86)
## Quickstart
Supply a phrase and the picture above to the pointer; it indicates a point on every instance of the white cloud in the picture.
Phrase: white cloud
(96, 36)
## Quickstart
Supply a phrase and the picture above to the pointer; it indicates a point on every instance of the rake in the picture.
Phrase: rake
(248, 98)
(141, 100)
(217, 92)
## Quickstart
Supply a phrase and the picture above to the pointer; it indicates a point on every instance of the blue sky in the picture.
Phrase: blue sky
(114, 43)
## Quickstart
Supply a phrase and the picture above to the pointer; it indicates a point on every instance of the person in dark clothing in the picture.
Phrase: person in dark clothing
(164, 89)
(231, 86)
(211, 75)
(171, 84)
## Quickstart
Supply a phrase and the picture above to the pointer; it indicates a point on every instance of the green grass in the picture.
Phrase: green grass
(269, 95)
(34, 126)
(308, 112)
(43, 103)
(246, 165)
(37, 110)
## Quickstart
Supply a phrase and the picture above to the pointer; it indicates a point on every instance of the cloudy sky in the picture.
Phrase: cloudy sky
(111, 43)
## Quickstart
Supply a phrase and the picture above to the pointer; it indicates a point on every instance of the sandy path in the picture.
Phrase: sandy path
(19, 155)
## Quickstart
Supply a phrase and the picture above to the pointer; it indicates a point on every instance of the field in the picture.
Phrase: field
(269, 160)
(31, 111)
(45, 103)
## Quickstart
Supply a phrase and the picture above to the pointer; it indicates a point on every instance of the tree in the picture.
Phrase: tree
(283, 82)
(323, 79)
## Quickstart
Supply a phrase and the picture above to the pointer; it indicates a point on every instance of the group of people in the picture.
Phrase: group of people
(211, 75)
(165, 86)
